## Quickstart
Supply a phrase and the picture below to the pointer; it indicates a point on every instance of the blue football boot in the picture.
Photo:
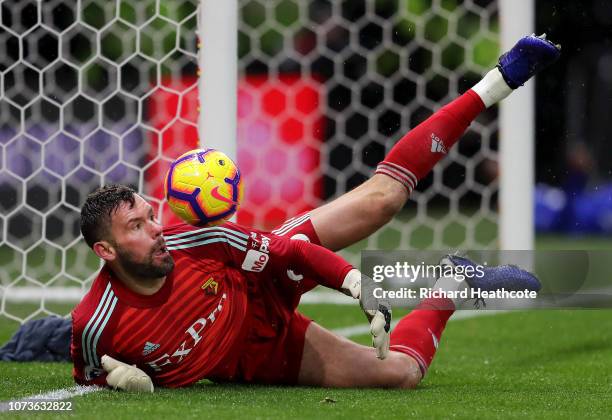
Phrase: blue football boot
(509, 277)
(529, 56)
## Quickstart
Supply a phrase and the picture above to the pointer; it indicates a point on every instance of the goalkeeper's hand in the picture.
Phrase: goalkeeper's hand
(377, 311)
(125, 377)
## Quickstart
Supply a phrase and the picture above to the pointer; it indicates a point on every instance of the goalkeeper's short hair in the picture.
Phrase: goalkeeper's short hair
(98, 209)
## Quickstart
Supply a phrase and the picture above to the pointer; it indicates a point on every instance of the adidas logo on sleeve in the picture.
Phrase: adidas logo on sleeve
(436, 145)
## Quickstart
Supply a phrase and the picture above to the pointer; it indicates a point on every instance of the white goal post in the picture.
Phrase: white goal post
(517, 140)
(218, 62)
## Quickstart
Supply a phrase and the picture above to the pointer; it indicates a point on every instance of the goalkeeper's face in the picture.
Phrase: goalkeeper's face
(140, 248)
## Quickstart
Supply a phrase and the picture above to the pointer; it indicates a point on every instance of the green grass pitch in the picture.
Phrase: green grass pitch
(538, 364)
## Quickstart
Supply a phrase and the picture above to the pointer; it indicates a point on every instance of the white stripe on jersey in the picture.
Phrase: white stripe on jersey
(290, 224)
(88, 326)
(90, 337)
(208, 241)
(294, 221)
(228, 235)
(99, 333)
(207, 229)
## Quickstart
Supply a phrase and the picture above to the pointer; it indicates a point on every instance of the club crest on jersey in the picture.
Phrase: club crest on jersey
(257, 257)
(210, 286)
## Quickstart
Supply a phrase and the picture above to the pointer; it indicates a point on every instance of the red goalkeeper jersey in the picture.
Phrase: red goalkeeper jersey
(193, 326)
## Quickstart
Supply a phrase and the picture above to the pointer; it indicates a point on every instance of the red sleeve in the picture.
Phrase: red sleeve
(319, 262)
(269, 253)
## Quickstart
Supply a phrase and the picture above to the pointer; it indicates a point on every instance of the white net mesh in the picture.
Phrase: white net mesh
(80, 81)
(379, 68)
(93, 92)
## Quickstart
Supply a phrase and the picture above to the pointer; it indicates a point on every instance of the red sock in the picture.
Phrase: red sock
(421, 148)
(418, 333)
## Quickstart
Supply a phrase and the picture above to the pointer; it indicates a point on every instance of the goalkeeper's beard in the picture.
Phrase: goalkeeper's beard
(146, 269)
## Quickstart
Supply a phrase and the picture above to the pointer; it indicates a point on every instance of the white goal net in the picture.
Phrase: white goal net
(101, 91)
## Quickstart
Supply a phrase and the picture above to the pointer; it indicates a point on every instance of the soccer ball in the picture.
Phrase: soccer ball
(203, 187)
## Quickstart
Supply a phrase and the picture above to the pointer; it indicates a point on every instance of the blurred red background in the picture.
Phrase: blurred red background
(279, 137)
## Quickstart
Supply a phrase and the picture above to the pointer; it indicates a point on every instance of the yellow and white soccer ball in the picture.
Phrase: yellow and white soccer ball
(203, 187)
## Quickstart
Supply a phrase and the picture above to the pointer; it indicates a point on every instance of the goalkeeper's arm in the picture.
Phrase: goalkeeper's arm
(331, 270)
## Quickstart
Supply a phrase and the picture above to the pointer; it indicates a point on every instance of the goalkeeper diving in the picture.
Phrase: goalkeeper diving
(175, 305)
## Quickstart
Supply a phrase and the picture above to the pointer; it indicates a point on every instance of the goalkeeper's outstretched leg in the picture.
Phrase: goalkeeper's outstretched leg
(332, 361)
(359, 213)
